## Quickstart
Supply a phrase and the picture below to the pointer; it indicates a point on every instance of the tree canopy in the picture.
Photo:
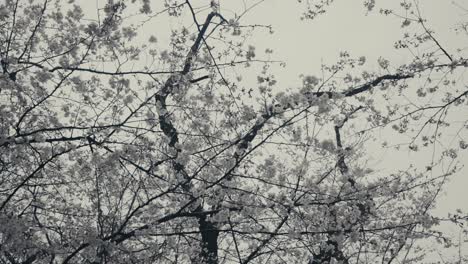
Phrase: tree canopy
(159, 132)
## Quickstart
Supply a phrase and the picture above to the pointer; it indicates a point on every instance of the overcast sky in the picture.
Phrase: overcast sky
(304, 45)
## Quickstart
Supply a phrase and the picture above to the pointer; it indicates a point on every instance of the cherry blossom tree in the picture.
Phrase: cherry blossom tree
(122, 143)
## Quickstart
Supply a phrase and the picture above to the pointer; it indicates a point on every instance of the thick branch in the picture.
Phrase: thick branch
(209, 233)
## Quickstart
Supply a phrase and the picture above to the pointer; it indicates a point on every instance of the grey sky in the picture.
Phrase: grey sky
(304, 45)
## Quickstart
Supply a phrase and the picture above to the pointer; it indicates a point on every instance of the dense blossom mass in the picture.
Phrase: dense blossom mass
(125, 140)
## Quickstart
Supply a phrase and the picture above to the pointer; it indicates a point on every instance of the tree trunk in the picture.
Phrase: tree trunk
(209, 244)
